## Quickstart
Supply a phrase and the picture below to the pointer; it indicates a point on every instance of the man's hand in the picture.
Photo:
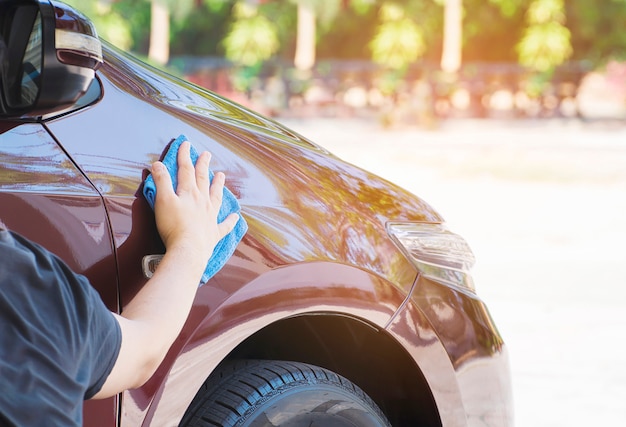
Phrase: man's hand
(187, 218)
(187, 222)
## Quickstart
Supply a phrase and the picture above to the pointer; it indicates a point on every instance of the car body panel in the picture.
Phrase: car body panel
(475, 351)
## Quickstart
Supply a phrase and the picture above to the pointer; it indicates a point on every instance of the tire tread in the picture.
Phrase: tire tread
(239, 385)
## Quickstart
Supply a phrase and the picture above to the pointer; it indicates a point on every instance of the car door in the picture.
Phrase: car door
(47, 199)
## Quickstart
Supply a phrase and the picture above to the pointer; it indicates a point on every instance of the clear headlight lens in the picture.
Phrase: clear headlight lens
(436, 252)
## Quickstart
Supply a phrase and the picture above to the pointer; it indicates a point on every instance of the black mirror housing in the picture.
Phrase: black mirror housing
(48, 56)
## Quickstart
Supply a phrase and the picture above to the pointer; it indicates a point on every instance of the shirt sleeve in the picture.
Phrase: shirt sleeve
(59, 314)
(105, 340)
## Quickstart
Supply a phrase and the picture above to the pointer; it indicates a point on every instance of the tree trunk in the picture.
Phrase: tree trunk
(159, 50)
(452, 36)
(305, 42)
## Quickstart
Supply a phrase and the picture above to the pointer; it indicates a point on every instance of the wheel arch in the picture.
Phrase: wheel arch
(318, 308)
(364, 354)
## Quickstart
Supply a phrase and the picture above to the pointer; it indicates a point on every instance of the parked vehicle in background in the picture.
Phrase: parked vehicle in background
(347, 303)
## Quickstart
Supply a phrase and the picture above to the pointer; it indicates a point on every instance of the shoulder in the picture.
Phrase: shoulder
(38, 343)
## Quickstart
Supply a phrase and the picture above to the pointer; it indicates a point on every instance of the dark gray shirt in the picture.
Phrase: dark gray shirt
(58, 341)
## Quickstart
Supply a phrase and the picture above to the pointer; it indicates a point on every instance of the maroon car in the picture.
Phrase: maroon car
(347, 303)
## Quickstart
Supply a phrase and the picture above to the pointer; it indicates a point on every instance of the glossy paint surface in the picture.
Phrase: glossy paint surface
(316, 243)
(475, 350)
(301, 204)
(47, 199)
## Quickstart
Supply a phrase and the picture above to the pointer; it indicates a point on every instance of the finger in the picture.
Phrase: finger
(228, 224)
(216, 191)
(162, 181)
(186, 171)
(202, 172)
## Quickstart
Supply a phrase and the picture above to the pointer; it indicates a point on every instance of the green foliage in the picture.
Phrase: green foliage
(201, 33)
(491, 30)
(399, 41)
(537, 33)
(349, 35)
(361, 7)
(546, 42)
(597, 28)
(243, 77)
(110, 25)
(428, 15)
(536, 83)
(509, 8)
(253, 38)
(544, 46)
(284, 16)
(546, 11)
(136, 13)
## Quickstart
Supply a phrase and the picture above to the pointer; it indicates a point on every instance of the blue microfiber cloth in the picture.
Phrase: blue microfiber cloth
(225, 247)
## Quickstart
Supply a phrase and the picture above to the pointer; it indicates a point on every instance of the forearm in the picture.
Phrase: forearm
(153, 319)
(163, 304)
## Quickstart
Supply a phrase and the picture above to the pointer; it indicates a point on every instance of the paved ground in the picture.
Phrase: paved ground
(543, 204)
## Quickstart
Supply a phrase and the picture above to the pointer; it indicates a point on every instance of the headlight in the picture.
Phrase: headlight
(435, 251)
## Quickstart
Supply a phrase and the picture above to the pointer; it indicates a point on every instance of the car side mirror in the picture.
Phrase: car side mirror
(48, 56)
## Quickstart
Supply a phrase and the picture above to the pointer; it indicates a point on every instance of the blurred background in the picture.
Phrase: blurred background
(400, 61)
(508, 116)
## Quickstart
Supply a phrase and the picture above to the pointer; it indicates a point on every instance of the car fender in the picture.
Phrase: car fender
(294, 290)
(209, 336)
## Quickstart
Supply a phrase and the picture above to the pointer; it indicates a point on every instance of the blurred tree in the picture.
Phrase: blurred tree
(159, 50)
(136, 15)
(509, 8)
(161, 13)
(305, 37)
(399, 41)
(201, 32)
(546, 41)
(492, 29)
(305, 19)
(252, 38)
(110, 25)
(452, 36)
(309, 13)
(348, 36)
(597, 29)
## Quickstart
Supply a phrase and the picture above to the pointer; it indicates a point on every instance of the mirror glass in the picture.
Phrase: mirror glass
(22, 56)
(31, 66)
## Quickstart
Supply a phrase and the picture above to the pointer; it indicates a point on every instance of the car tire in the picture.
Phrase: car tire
(266, 393)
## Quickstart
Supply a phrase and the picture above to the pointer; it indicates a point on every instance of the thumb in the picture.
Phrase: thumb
(228, 224)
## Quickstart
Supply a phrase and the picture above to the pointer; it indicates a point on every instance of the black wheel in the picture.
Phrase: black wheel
(266, 393)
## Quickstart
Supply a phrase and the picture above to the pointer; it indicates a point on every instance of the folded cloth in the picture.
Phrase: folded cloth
(225, 247)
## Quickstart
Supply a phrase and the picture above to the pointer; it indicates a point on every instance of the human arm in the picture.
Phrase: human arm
(187, 222)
